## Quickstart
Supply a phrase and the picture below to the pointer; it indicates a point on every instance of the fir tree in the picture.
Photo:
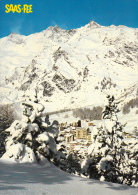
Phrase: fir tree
(31, 139)
(109, 158)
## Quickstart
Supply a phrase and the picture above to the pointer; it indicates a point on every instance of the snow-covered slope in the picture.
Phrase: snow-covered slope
(33, 179)
(70, 68)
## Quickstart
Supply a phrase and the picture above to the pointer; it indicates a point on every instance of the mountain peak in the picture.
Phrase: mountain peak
(54, 28)
(93, 24)
(70, 63)
(13, 34)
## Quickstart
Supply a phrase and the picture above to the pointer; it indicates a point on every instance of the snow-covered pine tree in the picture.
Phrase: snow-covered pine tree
(119, 164)
(111, 157)
(106, 145)
(127, 163)
(31, 139)
(7, 116)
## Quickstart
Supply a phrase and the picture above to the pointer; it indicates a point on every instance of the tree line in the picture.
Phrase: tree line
(87, 113)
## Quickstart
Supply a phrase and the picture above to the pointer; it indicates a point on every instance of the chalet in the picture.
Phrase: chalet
(89, 138)
(90, 124)
(75, 124)
(79, 123)
(61, 128)
(73, 132)
(69, 137)
(62, 132)
(128, 135)
(81, 133)
(62, 124)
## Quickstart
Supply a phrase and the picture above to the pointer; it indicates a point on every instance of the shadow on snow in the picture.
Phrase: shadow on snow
(14, 176)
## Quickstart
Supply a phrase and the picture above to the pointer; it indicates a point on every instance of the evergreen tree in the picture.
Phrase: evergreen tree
(7, 116)
(109, 157)
(31, 139)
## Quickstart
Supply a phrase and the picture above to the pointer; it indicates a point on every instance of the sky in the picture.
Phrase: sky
(67, 14)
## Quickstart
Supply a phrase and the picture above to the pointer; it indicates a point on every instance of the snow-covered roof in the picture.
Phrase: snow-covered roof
(68, 135)
(73, 142)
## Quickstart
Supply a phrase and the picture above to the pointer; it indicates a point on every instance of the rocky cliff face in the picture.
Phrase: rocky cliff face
(74, 67)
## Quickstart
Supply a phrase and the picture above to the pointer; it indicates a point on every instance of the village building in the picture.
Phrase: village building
(61, 128)
(62, 124)
(73, 132)
(89, 138)
(74, 128)
(81, 133)
(90, 124)
(79, 123)
(67, 130)
(75, 124)
(69, 137)
(128, 135)
(62, 132)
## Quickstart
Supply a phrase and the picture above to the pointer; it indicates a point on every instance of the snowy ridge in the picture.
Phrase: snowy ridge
(87, 62)
(130, 93)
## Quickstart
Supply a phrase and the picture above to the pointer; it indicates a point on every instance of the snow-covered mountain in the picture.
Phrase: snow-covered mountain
(70, 68)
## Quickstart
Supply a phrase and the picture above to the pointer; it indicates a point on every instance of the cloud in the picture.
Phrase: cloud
(16, 27)
(20, 26)
(63, 26)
